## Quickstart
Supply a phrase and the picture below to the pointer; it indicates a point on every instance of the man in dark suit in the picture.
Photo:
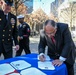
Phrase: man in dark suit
(23, 36)
(60, 45)
(8, 29)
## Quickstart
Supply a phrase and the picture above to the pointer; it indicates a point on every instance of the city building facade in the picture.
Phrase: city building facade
(29, 5)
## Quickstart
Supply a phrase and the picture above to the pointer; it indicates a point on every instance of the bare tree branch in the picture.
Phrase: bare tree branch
(17, 4)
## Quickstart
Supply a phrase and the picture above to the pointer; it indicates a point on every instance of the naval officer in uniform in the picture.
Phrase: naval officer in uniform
(8, 29)
(23, 36)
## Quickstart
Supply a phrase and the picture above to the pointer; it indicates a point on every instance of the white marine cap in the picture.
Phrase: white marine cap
(20, 16)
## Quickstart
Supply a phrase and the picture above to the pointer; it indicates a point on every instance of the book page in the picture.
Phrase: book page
(46, 65)
(32, 71)
(20, 64)
(6, 68)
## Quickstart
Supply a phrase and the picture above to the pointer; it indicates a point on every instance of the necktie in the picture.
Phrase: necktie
(53, 40)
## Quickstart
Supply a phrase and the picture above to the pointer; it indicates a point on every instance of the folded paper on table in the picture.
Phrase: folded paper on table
(46, 56)
(6, 68)
(46, 65)
(32, 71)
(20, 64)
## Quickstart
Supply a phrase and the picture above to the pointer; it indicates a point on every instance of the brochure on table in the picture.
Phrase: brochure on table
(46, 65)
(20, 64)
(32, 71)
(6, 68)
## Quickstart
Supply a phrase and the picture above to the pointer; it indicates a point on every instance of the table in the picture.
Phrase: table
(32, 59)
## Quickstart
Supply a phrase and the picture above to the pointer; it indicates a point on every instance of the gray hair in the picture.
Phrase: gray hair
(52, 23)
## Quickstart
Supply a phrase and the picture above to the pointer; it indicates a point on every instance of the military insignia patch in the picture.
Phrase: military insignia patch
(24, 26)
(12, 21)
(28, 30)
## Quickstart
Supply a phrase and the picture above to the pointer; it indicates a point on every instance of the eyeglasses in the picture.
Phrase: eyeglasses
(51, 33)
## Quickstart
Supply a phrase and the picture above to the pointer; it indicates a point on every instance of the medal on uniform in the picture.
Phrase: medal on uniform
(12, 22)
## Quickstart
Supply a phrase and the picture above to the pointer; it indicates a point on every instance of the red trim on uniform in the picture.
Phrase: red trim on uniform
(25, 35)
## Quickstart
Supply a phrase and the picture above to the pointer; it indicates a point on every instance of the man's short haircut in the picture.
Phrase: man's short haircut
(52, 23)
